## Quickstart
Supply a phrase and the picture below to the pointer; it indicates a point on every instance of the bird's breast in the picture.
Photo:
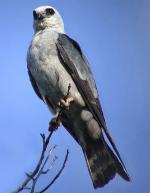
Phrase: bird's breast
(49, 73)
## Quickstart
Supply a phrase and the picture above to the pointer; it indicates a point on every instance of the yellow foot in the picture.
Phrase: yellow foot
(66, 103)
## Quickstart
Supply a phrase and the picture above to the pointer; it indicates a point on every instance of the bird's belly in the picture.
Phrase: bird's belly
(53, 80)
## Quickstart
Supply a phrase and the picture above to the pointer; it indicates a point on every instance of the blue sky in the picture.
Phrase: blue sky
(115, 37)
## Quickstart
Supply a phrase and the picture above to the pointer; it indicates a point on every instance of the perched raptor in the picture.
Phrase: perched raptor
(54, 61)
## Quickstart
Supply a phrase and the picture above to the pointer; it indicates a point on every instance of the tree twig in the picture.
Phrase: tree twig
(51, 166)
(32, 175)
(57, 175)
(39, 169)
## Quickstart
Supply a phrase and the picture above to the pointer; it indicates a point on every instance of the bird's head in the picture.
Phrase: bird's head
(47, 17)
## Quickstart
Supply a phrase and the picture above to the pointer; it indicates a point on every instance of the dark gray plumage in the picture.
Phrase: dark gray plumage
(55, 61)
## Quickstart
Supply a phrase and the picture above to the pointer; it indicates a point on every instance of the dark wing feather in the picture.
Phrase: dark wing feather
(76, 64)
(34, 85)
(36, 89)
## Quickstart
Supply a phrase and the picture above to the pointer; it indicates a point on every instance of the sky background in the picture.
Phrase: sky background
(115, 37)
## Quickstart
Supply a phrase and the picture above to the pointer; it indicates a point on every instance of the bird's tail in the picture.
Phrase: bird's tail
(102, 163)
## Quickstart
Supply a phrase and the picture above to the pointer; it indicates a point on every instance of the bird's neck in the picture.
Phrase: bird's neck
(45, 25)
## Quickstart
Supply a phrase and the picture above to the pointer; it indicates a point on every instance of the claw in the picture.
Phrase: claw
(63, 104)
(66, 103)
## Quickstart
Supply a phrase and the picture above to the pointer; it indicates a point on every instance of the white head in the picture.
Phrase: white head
(47, 17)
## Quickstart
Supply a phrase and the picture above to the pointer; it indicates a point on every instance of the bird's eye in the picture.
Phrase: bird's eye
(50, 11)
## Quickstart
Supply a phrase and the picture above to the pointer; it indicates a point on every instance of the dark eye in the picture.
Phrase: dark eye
(50, 11)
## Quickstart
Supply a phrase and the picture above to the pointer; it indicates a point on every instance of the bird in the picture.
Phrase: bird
(54, 61)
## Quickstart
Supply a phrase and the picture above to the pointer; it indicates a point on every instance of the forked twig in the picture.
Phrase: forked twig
(57, 175)
(39, 169)
(33, 174)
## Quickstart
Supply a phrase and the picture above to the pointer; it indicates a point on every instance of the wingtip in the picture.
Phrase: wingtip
(127, 178)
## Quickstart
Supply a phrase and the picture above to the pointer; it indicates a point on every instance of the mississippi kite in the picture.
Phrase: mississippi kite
(54, 61)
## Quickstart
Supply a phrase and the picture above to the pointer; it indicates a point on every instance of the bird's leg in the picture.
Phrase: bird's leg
(63, 105)
(65, 102)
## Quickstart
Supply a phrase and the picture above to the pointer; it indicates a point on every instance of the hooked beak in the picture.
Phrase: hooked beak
(37, 16)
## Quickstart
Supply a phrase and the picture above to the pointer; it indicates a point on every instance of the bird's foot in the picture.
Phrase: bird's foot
(54, 123)
(65, 103)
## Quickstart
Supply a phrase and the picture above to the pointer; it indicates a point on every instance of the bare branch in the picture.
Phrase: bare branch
(51, 165)
(58, 174)
(39, 169)
(33, 174)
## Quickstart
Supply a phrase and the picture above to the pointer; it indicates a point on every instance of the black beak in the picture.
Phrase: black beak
(37, 16)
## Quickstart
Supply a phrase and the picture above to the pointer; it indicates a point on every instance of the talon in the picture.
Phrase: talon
(70, 99)
(66, 103)
(62, 104)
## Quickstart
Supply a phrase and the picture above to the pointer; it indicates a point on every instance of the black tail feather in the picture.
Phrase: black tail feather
(102, 163)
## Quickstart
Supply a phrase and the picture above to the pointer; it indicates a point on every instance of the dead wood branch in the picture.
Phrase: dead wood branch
(32, 178)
